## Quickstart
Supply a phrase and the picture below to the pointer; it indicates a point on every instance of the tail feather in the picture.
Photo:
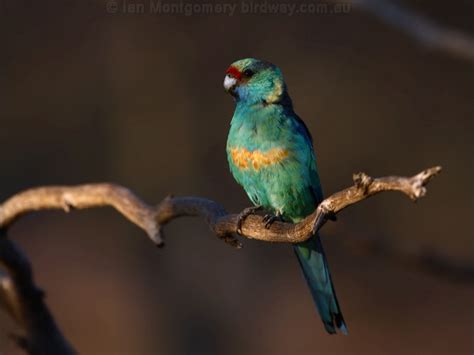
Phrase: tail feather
(315, 268)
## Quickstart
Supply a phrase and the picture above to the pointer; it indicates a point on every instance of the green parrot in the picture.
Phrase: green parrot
(270, 153)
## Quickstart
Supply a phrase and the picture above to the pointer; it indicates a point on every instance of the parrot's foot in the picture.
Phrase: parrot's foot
(244, 214)
(268, 219)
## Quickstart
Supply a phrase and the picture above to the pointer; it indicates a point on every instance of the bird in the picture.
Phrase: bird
(270, 154)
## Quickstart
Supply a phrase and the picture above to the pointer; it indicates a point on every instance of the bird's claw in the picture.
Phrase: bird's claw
(269, 219)
(244, 214)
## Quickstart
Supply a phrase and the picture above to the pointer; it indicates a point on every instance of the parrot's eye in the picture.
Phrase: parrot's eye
(248, 73)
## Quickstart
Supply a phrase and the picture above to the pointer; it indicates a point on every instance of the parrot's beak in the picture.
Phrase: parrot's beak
(230, 83)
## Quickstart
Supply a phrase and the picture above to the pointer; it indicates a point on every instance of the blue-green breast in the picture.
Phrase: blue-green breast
(271, 155)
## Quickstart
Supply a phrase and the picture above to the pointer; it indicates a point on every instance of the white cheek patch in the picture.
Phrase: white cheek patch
(229, 82)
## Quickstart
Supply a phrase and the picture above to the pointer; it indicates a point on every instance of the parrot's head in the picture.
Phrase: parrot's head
(252, 80)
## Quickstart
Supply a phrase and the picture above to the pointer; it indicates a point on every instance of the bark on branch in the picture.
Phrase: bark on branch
(152, 218)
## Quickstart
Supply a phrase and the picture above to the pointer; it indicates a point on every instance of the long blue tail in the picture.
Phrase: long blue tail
(316, 272)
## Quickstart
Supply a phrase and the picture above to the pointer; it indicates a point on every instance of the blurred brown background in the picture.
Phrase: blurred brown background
(91, 96)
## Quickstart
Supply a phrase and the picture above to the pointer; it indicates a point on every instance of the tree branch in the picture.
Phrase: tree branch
(23, 300)
(422, 29)
(152, 219)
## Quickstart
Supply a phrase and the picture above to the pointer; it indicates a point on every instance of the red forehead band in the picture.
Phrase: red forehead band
(234, 72)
